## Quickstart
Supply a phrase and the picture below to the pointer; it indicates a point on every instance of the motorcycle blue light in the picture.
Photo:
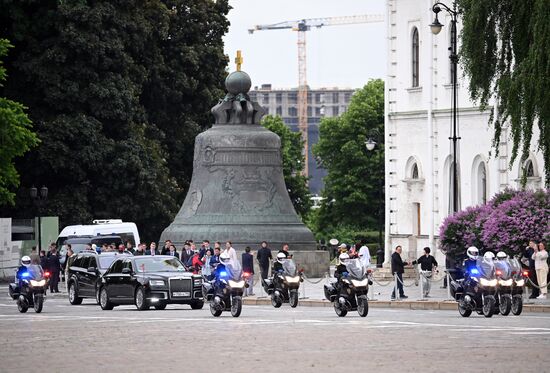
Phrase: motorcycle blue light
(474, 271)
(25, 274)
(223, 274)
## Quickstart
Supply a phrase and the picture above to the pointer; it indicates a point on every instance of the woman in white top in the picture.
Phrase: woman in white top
(541, 266)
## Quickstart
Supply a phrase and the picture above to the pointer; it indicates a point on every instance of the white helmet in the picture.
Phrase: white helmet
(343, 258)
(472, 252)
(224, 258)
(501, 255)
(281, 257)
(488, 256)
(26, 261)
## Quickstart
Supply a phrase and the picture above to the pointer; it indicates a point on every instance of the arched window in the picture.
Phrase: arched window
(414, 171)
(482, 183)
(529, 169)
(415, 56)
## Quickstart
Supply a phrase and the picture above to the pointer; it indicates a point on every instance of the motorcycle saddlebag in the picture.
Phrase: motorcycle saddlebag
(13, 290)
(207, 291)
(330, 292)
(456, 287)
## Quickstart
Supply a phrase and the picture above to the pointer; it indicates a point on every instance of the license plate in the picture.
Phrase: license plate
(181, 294)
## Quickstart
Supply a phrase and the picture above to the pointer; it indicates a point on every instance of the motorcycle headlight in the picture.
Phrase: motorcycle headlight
(38, 283)
(520, 282)
(506, 282)
(360, 283)
(486, 282)
(156, 282)
(292, 279)
(236, 284)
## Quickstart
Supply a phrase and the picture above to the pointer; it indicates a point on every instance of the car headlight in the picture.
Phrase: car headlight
(292, 279)
(236, 284)
(38, 283)
(360, 283)
(156, 282)
(520, 282)
(486, 282)
(506, 282)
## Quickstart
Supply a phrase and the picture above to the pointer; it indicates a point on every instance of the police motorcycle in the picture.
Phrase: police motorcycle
(477, 291)
(349, 292)
(503, 272)
(29, 288)
(226, 289)
(519, 276)
(283, 286)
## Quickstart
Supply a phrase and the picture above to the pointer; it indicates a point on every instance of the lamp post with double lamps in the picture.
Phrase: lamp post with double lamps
(374, 138)
(436, 27)
(38, 199)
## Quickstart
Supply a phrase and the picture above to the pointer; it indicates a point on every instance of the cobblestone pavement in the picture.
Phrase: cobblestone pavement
(84, 338)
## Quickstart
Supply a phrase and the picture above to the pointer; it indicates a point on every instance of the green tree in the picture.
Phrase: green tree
(293, 163)
(114, 144)
(355, 177)
(506, 52)
(16, 136)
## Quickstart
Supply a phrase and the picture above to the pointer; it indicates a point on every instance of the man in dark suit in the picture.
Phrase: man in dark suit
(152, 250)
(398, 268)
(186, 253)
(172, 251)
(264, 257)
(54, 266)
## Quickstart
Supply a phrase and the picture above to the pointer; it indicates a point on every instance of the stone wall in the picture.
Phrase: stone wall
(10, 251)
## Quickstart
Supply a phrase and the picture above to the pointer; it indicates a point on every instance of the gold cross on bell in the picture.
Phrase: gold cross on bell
(239, 60)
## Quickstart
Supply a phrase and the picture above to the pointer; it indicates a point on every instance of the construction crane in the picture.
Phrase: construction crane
(301, 26)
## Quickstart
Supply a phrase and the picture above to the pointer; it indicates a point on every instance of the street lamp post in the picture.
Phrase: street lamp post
(38, 199)
(453, 56)
(373, 138)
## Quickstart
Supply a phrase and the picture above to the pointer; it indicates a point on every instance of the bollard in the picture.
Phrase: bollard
(396, 289)
(304, 287)
(371, 288)
(449, 286)
(421, 285)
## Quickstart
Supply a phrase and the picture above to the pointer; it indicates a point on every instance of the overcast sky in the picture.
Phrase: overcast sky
(337, 56)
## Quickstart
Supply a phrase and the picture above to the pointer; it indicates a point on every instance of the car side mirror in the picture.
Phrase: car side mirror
(126, 271)
(91, 269)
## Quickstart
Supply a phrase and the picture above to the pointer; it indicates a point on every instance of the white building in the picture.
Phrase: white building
(418, 127)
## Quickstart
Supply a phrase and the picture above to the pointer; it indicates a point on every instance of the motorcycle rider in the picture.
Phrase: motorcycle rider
(471, 261)
(341, 267)
(278, 267)
(25, 263)
(224, 260)
(501, 255)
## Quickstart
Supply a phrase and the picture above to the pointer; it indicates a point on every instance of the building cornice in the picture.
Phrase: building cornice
(413, 114)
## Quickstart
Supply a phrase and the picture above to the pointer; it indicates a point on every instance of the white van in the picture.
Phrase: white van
(126, 231)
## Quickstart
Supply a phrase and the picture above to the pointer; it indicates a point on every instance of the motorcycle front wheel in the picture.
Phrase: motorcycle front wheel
(236, 306)
(293, 300)
(215, 311)
(340, 311)
(38, 303)
(362, 305)
(517, 305)
(505, 305)
(22, 307)
(276, 301)
(488, 306)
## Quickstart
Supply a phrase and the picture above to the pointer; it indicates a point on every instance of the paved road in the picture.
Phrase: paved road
(263, 339)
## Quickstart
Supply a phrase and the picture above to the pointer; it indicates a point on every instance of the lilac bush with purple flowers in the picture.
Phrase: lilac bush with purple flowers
(507, 222)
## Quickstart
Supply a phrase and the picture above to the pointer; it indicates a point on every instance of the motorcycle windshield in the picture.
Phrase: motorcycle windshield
(35, 272)
(486, 268)
(234, 270)
(355, 268)
(515, 265)
(289, 267)
(503, 269)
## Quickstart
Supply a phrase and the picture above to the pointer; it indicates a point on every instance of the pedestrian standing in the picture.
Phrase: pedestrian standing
(130, 247)
(140, 249)
(264, 258)
(284, 250)
(166, 247)
(35, 258)
(186, 253)
(541, 266)
(364, 253)
(43, 260)
(248, 270)
(231, 251)
(206, 269)
(428, 264)
(152, 250)
(398, 268)
(55, 269)
(529, 252)
(173, 252)
(69, 259)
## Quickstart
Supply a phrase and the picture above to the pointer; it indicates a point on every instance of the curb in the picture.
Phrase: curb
(412, 305)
